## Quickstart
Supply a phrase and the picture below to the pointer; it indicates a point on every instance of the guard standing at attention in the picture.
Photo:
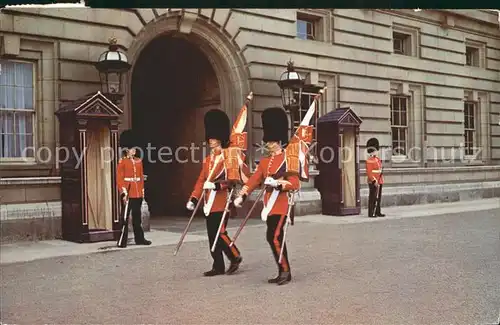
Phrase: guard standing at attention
(130, 181)
(272, 171)
(375, 178)
(213, 180)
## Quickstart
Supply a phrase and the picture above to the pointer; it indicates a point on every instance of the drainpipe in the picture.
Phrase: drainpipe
(423, 137)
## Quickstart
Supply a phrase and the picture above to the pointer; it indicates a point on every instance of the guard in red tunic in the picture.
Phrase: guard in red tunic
(213, 182)
(272, 171)
(130, 181)
(375, 178)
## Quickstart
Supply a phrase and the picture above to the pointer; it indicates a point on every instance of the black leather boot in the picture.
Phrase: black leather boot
(274, 280)
(284, 278)
(234, 266)
(143, 242)
(213, 272)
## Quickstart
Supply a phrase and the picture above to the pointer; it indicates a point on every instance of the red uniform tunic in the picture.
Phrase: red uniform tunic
(374, 170)
(130, 177)
(268, 167)
(219, 174)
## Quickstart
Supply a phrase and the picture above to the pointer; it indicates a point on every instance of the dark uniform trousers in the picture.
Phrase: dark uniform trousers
(232, 253)
(373, 201)
(134, 206)
(275, 227)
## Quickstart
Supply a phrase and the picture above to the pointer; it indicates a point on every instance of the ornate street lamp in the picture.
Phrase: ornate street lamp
(291, 85)
(113, 66)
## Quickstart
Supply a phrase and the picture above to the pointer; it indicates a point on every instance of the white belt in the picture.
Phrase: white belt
(207, 207)
(132, 179)
(270, 204)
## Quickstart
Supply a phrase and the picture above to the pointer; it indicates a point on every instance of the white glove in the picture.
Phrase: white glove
(209, 186)
(238, 202)
(190, 206)
(271, 182)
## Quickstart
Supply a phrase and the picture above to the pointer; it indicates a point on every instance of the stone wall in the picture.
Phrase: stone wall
(352, 55)
(355, 59)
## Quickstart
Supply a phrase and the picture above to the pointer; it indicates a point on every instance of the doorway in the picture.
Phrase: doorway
(173, 85)
(347, 141)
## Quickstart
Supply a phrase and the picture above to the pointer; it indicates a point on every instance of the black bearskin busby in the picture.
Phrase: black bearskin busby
(372, 145)
(128, 139)
(275, 125)
(217, 126)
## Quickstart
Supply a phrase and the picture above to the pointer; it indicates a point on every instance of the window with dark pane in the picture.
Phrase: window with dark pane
(469, 127)
(16, 109)
(399, 124)
(305, 28)
(472, 56)
(401, 43)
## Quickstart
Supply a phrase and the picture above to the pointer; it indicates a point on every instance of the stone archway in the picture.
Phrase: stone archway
(228, 65)
(178, 73)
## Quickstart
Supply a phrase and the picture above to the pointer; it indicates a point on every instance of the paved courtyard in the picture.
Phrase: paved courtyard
(428, 269)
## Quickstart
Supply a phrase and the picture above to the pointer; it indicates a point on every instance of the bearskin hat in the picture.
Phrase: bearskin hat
(372, 145)
(275, 125)
(128, 139)
(217, 126)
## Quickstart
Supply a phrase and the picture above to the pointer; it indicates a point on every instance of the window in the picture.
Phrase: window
(401, 43)
(305, 28)
(308, 95)
(399, 125)
(405, 40)
(314, 24)
(17, 110)
(472, 56)
(469, 127)
(475, 53)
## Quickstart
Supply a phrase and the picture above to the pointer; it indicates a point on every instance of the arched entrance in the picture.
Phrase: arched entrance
(176, 77)
(173, 85)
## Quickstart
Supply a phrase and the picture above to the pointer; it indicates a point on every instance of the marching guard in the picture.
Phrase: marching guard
(375, 178)
(130, 182)
(213, 186)
(272, 171)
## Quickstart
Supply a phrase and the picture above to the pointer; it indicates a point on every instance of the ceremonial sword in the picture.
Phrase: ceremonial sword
(291, 203)
(377, 203)
(125, 218)
(226, 210)
(247, 217)
(181, 240)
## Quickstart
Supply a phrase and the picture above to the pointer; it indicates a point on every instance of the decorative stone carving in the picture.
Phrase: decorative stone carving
(186, 22)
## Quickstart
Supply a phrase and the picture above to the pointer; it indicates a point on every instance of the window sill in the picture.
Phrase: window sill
(399, 159)
(471, 161)
(9, 166)
(406, 55)
(18, 161)
(474, 66)
(21, 162)
(403, 162)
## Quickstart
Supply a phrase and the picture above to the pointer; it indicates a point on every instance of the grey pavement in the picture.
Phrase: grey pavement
(167, 231)
(411, 267)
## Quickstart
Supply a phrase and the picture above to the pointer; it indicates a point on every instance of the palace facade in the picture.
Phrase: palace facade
(425, 83)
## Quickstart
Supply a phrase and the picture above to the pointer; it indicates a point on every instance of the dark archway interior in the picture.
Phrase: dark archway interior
(173, 85)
